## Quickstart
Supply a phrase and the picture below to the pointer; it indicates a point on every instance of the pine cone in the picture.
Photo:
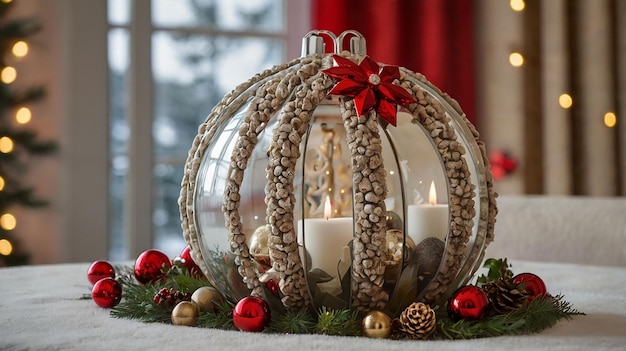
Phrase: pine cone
(505, 295)
(170, 297)
(418, 321)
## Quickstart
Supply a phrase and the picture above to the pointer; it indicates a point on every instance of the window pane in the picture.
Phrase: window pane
(235, 15)
(118, 12)
(191, 74)
(118, 48)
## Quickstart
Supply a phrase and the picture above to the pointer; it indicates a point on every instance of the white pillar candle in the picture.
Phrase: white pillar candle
(427, 220)
(325, 239)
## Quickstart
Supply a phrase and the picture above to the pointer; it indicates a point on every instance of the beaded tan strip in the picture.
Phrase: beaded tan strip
(429, 113)
(370, 191)
(268, 98)
(206, 131)
(462, 209)
(492, 209)
(283, 154)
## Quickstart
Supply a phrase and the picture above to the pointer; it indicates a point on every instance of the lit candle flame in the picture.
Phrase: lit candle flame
(328, 210)
(432, 195)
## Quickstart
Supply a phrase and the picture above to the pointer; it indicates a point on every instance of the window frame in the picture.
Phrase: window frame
(139, 184)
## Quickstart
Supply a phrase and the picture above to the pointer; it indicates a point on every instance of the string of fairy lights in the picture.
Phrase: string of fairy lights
(516, 59)
(23, 115)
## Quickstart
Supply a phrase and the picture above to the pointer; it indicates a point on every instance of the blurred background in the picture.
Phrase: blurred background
(119, 87)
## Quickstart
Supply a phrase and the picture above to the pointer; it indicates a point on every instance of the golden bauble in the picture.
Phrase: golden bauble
(185, 313)
(376, 324)
(206, 298)
(397, 253)
(393, 221)
(398, 246)
(258, 245)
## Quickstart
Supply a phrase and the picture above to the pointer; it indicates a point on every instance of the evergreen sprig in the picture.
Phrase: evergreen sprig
(338, 322)
(138, 300)
(539, 314)
(137, 303)
(294, 322)
(222, 318)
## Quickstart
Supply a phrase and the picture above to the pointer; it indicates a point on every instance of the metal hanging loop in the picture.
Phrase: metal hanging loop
(357, 43)
(313, 42)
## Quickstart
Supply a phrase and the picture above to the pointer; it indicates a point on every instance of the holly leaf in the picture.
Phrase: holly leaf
(497, 268)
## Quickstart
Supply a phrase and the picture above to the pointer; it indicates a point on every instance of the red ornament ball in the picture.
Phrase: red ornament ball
(99, 270)
(149, 266)
(107, 292)
(251, 314)
(188, 262)
(273, 287)
(469, 303)
(532, 283)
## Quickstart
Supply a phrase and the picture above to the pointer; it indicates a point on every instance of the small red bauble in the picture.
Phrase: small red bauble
(532, 283)
(251, 314)
(107, 292)
(149, 266)
(188, 262)
(273, 287)
(469, 303)
(99, 270)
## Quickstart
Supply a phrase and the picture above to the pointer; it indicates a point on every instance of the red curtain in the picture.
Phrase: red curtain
(433, 37)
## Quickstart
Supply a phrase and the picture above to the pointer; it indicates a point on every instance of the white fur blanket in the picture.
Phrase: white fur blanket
(40, 309)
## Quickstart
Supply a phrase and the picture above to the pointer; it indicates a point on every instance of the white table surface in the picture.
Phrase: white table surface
(41, 309)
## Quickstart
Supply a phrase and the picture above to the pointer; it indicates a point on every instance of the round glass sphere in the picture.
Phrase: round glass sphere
(285, 183)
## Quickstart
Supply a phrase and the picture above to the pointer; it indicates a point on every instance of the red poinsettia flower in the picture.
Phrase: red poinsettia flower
(370, 85)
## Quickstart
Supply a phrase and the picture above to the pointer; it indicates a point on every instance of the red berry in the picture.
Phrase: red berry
(99, 270)
(532, 283)
(107, 292)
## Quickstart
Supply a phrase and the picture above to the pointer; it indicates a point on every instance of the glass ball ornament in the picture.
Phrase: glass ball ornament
(377, 325)
(325, 174)
(469, 303)
(251, 314)
(99, 270)
(533, 285)
(151, 265)
(106, 292)
(185, 313)
(207, 298)
(187, 261)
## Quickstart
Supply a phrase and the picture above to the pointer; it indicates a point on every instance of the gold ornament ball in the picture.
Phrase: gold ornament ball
(376, 324)
(206, 298)
(259, 250)
(185, 313)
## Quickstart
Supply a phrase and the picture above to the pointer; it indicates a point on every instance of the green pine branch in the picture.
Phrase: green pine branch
(138, 300)
(538, 315)
(220, 319)
(20, 28)
(27, 140)
(10, 98)
(294, 322)
(137, 303)
(22, 196)
(338, 322)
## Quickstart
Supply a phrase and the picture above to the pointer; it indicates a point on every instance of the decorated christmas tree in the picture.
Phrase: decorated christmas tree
(19, 144)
